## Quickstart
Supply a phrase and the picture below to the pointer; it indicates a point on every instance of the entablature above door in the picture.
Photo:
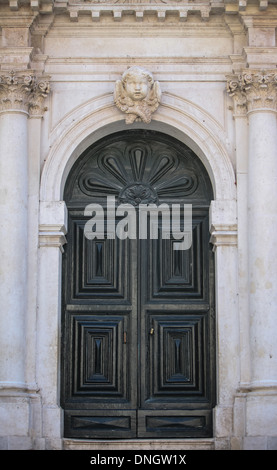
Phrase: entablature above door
(119, 8)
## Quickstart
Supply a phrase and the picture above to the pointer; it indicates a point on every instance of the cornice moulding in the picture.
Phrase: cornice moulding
(20, 19)
(255, 56)
(260, 21)
(85, 69)
(142, 29)
(73, 7)
(139, 10)
(52, 236)
(224, 238)
(16, 58)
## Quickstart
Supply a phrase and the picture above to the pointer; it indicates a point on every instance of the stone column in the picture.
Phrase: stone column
(256, 91)
(36, 112)
(20, 93)
(260, 90)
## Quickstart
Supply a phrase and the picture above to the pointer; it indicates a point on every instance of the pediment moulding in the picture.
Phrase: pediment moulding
(253, 90)
(96, 8)
(23, 92)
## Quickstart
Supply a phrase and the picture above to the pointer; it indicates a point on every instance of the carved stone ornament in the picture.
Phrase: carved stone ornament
(23, 91)
(253, 90)
(137, 95)
(136, 175)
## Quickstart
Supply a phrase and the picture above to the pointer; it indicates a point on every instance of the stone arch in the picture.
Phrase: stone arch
(176, 117)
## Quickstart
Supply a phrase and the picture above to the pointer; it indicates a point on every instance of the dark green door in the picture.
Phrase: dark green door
(138, 315)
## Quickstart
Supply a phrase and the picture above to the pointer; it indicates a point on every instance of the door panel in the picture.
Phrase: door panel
(174, 424)
(138, 316)
(178, 276)
(100, 268)
(99, 363)
(175, 369)
(87, 424)
(99, 335)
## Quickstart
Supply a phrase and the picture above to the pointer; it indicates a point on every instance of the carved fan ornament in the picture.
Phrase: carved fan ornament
(137, 176)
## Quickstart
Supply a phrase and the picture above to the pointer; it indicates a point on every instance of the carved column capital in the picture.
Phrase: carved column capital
(253, 90)
(236, 91)
(41, 89)
(23, 91)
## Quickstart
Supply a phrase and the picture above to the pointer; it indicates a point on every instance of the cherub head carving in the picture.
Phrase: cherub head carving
(137, 95)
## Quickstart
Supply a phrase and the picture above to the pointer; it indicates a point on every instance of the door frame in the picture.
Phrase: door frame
(83, 317)
(179, 119)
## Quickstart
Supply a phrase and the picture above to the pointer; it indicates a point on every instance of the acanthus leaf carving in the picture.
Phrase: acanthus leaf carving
(252, 90)
(40, 92)
(260, 90)
(235, 90)
(21, 91)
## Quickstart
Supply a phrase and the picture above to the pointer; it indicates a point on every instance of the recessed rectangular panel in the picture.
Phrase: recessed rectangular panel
(105, 424)
(175, 359)
(174, 423)
(100, 368)
(177, 275)
(101, 271)
(178, 369)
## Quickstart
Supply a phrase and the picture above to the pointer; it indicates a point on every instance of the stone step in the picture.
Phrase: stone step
(133, 444)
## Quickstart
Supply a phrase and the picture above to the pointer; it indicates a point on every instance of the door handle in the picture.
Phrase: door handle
(152, 331)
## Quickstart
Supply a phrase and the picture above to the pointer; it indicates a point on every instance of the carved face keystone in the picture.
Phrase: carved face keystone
(137, 95)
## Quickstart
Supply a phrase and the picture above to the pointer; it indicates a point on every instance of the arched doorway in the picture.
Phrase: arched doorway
(138, 315)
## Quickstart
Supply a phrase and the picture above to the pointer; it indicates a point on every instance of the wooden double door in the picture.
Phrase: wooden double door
(137, 314)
